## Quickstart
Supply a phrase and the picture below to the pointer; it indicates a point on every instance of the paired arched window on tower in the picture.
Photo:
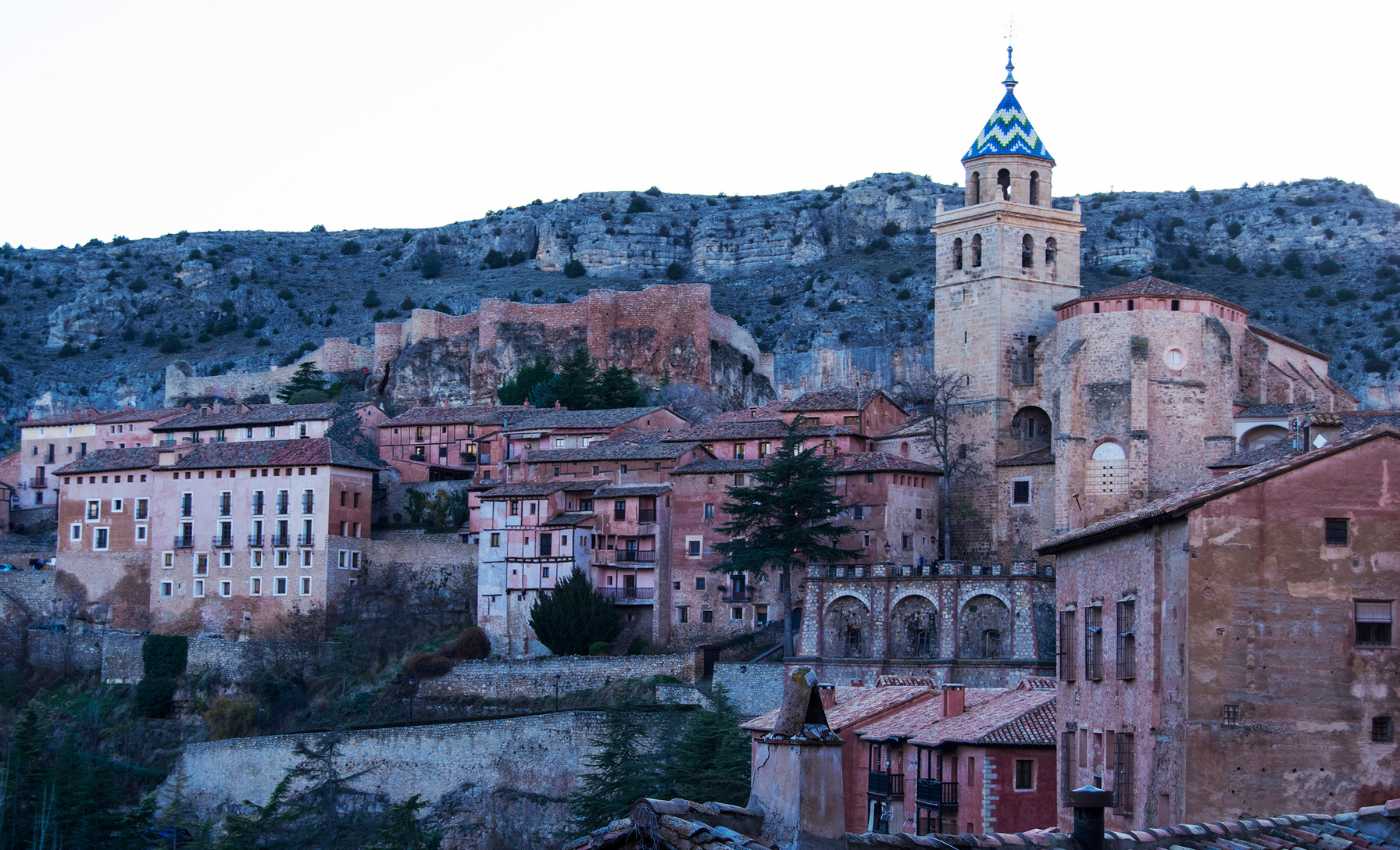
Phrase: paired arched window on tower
(1027, 251)
(1051, 251)
(977, 251)
(1004, 183)
(957, 254)
(976, 187)
(1035, 188)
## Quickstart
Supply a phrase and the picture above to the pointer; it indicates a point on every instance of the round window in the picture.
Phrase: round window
(1175, 357)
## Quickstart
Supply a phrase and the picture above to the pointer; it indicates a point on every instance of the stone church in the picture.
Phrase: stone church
(1071, 407)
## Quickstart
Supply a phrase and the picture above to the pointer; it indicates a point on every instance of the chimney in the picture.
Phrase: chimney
(1321, 429)
(827, 694)
(954, 699)
(1089, 802)
(797, 777)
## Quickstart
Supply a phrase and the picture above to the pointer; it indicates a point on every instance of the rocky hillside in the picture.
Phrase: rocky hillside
(831, 280)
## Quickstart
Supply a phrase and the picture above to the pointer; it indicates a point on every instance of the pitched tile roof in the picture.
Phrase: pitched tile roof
(1023, 716)
(474, 414)
(738, 429)
(614, 491)
(848, 463)
(1273, 411)
(77, 416)
(719, 466)
(771, 410)
(1270, 333)
(613, 417)
(853, 706)
(913, 720)
(318, 451)
(570, 519)
(1177, 504)
(836, 398)
(1008, 132)
(106, 460)
(232, 416)
(1150, 287)
(609, 450)
(528, 489)
(137, 414)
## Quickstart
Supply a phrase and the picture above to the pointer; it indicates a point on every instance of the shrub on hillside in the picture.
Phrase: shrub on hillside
(675, 271)
(470, 645)
(574, 268)
(430, 265)
(428, 665)
(231, 717)
(155, 698)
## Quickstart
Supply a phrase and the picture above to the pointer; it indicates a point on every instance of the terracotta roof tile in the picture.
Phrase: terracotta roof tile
(320, 451)
(106, 460)
(232, 416)
(1150, 287)
(835, 398)
(613, 417)
(610, 450)
(77, 416)
(136, 414)
(853, 706)
(475, 414)
(527, 489)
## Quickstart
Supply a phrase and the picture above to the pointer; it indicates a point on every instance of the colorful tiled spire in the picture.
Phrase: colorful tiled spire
(1008, 131)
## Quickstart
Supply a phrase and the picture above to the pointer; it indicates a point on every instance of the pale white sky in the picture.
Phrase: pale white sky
(141, 118)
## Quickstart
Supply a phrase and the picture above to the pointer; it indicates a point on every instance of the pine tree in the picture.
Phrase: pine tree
(712, 757)
(400, 829)
(619, 773)
(519, 387)
(574, 616)
(306, 386)
(616, 387)
(783, 520)
(577, 381)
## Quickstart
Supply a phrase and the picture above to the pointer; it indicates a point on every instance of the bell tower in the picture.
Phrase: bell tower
(1003, 260)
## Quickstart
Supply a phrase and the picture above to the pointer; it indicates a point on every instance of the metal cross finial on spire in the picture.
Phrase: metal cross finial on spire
(1010, 81)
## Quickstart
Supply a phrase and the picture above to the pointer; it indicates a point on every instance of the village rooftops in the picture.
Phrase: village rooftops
(670, 824)
(720, 466)
(544, 419)
(1151, 287)
(918, 718)
(847, 463)
(110, 460)
(837, 398)
(1274, 335)
(237, 415)
(1019, 717)
(473, 414)
(136, 414)
(1179, 504)
(756, 429)
(571, 519)
(608, 450)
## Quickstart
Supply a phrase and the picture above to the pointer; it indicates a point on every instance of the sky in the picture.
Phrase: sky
(144, 118)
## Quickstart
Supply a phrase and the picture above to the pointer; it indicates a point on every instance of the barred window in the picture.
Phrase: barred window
(1127, 639)
(1066, 765)
(1123, 774)
(1093, 643)
(1064, 649)
(1231, 714)
(1375, 621)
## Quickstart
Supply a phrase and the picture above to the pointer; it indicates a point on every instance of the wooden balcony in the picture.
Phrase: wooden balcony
(887, 785)
(932, 792)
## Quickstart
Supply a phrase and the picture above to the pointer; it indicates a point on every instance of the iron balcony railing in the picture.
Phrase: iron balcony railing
(280, 541)
(255, 541)
(183, 542)
(306, 539)
(738, 594)
(222, 541)
(629, 594)
(39, 482)
(889, 785)
(636, 556)
(932, 792)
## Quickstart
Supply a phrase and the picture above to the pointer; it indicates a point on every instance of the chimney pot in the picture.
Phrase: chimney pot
(1088, 802)
(954, 699)
(828, 695)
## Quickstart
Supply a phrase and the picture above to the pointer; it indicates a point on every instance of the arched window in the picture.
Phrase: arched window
(957, 254)
(1031, 428)
(1027, 251)
(1035, 188)
(1108, 470)
(1004, 183)
(1051, 250)
(977, 250)
(976, 187)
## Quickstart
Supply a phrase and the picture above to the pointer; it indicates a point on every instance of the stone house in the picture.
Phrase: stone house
(537, 430)
(46, 443)
(1253, 661)
(440, 443)
(214, 537)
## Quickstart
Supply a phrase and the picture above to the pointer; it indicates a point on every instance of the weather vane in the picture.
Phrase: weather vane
(1010, 81)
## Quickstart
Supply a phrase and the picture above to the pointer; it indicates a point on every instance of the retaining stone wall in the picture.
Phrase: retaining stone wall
(753, 687)
(537, 678)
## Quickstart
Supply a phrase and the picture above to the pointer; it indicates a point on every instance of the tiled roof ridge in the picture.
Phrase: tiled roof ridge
(1151, 286)
(1297, 830)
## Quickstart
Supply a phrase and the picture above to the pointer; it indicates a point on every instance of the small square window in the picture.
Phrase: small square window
(99, 539)
(1336, 531)
(1383, 729)
(699, 582)
(1021, 491)
(198, 591)
(707, 616)
(1025, 775)
(225, 588)
(1375, 621)
(682, 614)
(1231, 714)
(167, 589)
(736, 613)
(305, 586)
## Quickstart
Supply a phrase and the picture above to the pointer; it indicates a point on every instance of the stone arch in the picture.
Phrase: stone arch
(976, 250)
(847, 628)
(974, 194)
(984, 628)
(1027, 251)
(1052, 252)
(1108, 470)
(958, 254)
(1031, 428)
(1004, 183)
(1035, 188)
(914, 627)
(1263, 435)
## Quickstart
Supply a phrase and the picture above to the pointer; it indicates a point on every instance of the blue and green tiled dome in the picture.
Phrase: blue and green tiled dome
(1008, 132)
